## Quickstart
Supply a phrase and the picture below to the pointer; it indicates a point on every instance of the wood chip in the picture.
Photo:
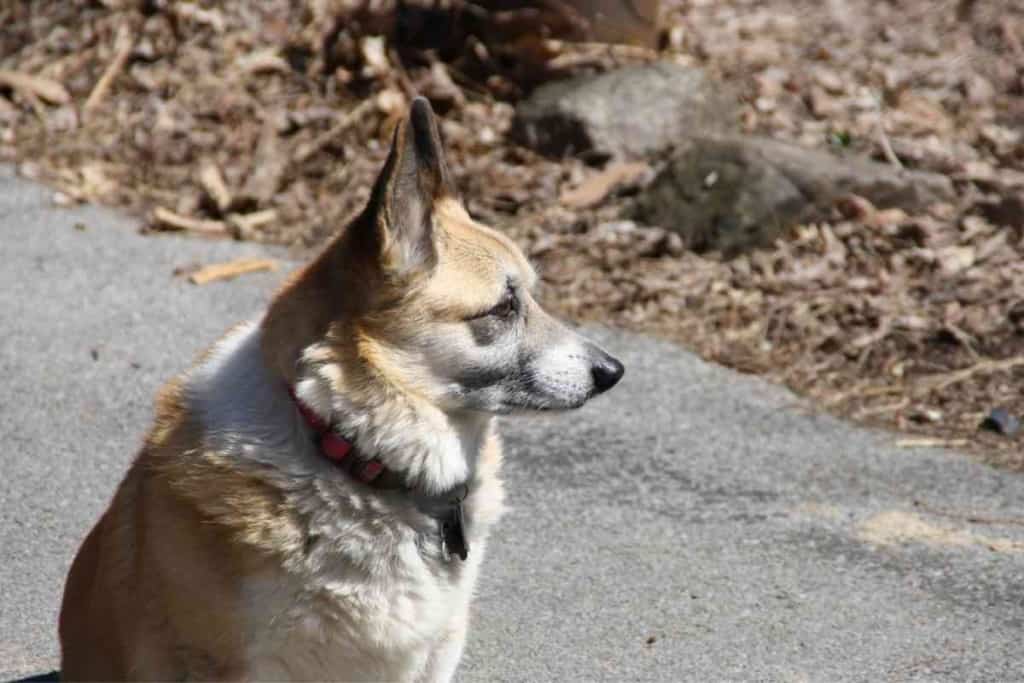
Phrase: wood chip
(268, 166)
(306, 151)
(168, 220)
(213, 184)
(596, 188)
(230, 270)
(931, 443)
(983, 367)
(247, 225)
(124, 43)
(36, 86)
(191, 11)
(440, 85)
(955, 259)
(263, 61)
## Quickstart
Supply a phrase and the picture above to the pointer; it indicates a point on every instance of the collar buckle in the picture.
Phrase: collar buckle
(453, 532)
(372, 472)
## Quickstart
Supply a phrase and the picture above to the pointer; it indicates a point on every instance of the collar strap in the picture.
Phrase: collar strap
(343, 453)
(372, 472)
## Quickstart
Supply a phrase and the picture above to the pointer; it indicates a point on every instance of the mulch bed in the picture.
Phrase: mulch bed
(267, 121)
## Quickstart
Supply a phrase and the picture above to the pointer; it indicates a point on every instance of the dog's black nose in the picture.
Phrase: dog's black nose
(607, 372)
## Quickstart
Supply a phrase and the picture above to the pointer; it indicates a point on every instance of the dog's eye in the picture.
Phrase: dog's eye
(503, 310)
(506, 307)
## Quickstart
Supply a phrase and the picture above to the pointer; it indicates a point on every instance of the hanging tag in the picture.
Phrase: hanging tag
(453, 533)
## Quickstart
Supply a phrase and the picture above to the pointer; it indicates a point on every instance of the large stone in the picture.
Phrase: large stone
(628, 113)
(732, 194)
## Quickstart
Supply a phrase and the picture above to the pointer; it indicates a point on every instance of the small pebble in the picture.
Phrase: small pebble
(1001, 422)
(926, 415)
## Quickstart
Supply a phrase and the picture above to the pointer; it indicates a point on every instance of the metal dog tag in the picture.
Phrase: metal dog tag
(453, 533)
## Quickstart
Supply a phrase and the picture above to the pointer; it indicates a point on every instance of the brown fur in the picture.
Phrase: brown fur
(158, 588)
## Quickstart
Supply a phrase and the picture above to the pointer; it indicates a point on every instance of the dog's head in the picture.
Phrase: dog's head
(439, 306)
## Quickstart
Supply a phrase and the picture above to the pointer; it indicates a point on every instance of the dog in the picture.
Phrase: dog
(314, 498)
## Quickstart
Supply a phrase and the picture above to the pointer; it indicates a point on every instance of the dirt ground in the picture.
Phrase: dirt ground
(267, 122)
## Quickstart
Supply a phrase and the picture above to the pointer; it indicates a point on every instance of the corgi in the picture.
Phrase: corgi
(315, 496)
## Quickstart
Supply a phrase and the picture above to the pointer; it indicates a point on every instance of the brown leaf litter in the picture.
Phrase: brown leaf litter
(267, 121)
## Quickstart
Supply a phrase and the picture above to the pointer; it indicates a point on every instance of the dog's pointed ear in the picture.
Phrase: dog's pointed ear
(414, 177)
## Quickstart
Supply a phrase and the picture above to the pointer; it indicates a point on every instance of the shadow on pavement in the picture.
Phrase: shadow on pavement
(51, 677)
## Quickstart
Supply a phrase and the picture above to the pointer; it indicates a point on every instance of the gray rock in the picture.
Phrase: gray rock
(732, 194)
(628, 113)
(1002, 422)
(721, 196)
(823, 177)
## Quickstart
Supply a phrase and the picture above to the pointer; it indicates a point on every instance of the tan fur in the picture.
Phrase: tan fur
(232, 549)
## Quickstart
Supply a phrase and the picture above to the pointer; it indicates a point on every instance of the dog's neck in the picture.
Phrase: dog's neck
(434, 451)
(246, 406)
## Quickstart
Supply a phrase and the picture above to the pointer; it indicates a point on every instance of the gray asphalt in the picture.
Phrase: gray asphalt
(693, 525)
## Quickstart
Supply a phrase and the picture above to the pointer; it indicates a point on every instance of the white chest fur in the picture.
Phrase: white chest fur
(364, 591)
(343, 625)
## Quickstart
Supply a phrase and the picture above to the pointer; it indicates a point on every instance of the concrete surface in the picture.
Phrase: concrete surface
(693, 525)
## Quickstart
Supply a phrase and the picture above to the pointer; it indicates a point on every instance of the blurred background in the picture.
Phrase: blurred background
(827, 193)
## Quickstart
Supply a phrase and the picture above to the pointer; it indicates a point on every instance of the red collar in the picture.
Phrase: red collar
(372, 472)
(343, 452)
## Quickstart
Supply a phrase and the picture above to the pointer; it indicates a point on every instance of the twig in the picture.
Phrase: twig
(214, 186)
(175, 221)
(230, 270)
(596, 188)
(585, 54)
(926, 442)
(985, 366)
(35, 86)
(965, 340)
(337, 129)
(883, 137)
(611, 49)
(246, 225)
(866, 343)
(884, 408)
(862, 391)
(263, 60)
(398, 68)
(123, 45)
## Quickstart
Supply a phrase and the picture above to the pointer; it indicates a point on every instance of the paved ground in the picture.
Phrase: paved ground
(693, 525)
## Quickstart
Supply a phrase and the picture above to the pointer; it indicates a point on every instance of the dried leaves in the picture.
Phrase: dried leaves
(293, 108)
(879, 314)
(268, 121)
(35, 86)
(600, 186)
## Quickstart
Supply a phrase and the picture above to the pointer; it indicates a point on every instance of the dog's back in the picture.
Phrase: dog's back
(152, 588)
